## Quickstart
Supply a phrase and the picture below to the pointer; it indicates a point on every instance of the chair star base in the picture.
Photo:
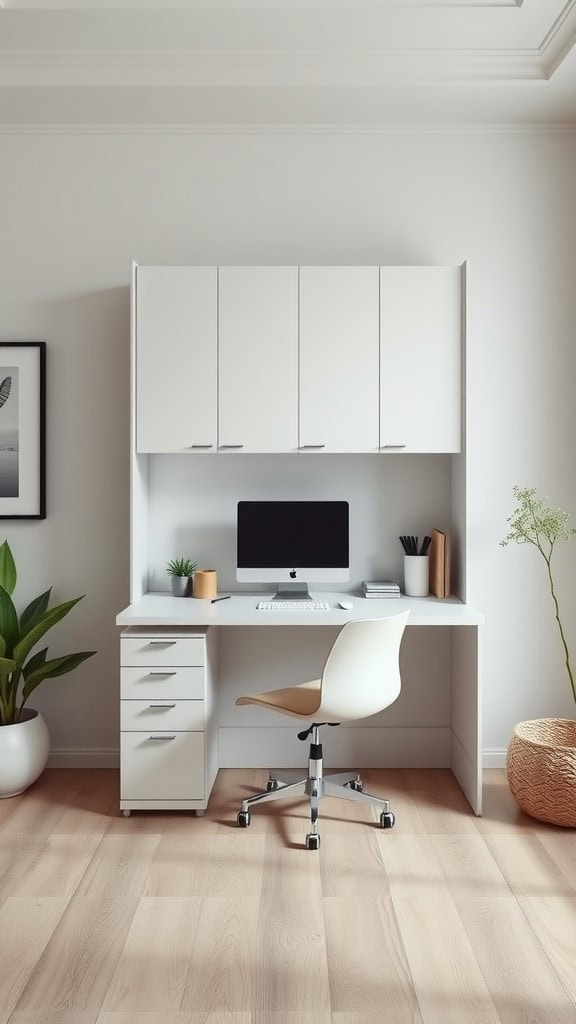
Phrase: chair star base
(315, 785)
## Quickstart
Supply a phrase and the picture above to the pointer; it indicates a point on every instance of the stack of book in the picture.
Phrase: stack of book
(380, 589)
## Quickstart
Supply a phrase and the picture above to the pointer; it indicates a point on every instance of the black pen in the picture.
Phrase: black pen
(225, 598)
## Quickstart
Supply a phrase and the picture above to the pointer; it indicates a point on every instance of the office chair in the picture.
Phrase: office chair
(361, 676)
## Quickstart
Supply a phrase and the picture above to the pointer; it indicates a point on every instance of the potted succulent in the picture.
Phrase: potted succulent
(182, 572)
(24, 739)
(541, 758)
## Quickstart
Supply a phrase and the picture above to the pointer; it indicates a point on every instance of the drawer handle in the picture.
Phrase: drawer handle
(392, 445)
(231, 446)
(303, 447)
(162, 673)
(201, 445)
(161, 706)
(161, 643)
(162, 737)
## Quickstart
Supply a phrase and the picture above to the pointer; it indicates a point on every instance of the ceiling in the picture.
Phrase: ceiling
(317, 64)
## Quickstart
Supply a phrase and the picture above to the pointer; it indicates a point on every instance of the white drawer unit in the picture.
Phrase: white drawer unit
(176, 715)
(161, 652)
(159, 765)
(168, 745)
(181, 682)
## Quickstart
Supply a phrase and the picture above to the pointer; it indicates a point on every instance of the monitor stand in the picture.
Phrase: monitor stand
(292, 592)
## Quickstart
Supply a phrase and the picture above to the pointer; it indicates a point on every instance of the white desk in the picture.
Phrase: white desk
(161, 615)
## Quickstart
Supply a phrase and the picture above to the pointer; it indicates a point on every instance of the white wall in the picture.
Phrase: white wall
(74, 210)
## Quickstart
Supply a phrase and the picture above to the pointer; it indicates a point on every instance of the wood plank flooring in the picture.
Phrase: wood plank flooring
(171, 919)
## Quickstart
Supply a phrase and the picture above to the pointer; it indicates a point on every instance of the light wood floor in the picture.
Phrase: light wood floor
(170, 919)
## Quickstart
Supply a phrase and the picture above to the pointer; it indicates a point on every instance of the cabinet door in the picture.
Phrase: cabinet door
(339, 359)
(176, 359)
(420, 359)
(258, 359)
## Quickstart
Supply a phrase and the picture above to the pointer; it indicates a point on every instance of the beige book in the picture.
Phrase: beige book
(439, 564)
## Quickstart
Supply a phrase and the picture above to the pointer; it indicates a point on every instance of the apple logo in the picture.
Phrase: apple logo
(293, 574)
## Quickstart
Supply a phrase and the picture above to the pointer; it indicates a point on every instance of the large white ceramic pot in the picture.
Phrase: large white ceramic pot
(24, 749)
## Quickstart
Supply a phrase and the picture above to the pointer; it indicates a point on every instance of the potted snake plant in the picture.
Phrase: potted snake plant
(541, 757)
(24, 739)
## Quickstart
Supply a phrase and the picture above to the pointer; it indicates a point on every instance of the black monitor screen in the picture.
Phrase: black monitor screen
(285, 534)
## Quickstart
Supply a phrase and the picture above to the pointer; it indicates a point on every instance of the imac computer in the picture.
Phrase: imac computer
(292, 544)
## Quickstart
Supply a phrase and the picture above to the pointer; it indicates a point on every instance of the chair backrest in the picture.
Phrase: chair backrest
(362, 672)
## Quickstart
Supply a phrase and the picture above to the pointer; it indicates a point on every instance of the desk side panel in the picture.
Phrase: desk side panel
(466, 712)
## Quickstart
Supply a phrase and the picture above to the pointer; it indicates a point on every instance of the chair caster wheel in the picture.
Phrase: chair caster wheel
(357, 785)
(312, 841)
(387, 820)
(271, 785)
(243, 819)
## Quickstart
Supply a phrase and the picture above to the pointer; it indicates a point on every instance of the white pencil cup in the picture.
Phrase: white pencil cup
(416, 582)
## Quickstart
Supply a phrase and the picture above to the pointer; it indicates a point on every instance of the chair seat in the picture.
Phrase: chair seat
(300, 701)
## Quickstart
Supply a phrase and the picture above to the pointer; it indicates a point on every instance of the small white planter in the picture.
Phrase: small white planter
(24, 749)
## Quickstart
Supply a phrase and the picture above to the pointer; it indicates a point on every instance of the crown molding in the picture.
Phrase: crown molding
(134, 129)
(559, 39)
(257, 5)
(193, 68)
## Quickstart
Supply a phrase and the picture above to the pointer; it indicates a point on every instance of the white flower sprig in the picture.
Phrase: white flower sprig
(535, 522)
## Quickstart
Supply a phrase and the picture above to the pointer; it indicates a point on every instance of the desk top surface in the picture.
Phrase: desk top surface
(240, 610)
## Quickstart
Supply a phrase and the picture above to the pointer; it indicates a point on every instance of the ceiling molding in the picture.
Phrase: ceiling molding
(193, 68)
(255, 5)
(427, 128)
(559, 39)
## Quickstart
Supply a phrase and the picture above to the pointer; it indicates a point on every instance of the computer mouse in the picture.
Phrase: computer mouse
(346, 605)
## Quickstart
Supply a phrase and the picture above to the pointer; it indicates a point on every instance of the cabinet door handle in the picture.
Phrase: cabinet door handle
(302, 447)
(161, 706)
(392, 446)
(161, 643)
(162, 673)
(201, 446)
(230, 445)
(162, 737)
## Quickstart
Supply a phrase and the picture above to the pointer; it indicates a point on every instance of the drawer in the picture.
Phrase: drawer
(158, 683)
(162, 715)
(162, 766)
(153, 651)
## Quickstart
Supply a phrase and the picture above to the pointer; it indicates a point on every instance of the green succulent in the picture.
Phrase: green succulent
(20, 670)
(181, 567)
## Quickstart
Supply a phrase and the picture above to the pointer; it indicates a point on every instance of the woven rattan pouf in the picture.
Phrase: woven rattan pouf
(541, 767)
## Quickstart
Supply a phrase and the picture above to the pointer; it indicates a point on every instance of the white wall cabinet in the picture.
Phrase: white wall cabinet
(258, 359)
(309, 359)
(420, 359)
(339, 359)
(176, 359)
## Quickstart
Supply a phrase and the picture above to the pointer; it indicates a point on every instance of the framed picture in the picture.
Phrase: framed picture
(23, 430)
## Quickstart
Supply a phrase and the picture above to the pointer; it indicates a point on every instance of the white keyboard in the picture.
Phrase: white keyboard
(293, 606)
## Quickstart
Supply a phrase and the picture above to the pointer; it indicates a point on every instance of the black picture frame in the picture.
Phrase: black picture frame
(31, 458)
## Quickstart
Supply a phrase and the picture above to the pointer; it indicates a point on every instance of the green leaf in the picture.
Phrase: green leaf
(7, 665)
(34, 612)
(2, 647)
(8, 622)
(8, 574)
(55, 667)
(49, 619)
(36, 661)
